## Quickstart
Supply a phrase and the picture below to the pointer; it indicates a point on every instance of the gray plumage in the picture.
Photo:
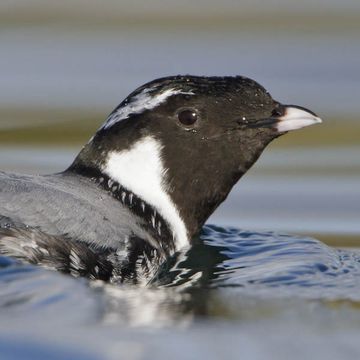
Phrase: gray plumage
(67, 223)
(67, 204)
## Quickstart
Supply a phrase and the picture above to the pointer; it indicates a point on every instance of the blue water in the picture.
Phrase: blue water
(244, 283)
(235, 294)
(259, 262)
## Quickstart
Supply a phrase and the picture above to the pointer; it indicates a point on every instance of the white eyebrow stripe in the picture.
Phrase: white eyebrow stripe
(139, 103)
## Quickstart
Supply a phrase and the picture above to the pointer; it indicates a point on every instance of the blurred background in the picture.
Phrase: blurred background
(65, 65)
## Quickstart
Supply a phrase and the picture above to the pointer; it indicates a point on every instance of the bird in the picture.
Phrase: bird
(144, 185)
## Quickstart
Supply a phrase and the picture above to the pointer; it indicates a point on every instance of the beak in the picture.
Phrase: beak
(294, 117)
(286, 118)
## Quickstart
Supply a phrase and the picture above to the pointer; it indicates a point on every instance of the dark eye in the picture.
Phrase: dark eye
(187, 117)
(278, 111)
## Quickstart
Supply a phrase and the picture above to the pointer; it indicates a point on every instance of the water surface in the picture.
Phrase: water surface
(258, 285)
(240, 289)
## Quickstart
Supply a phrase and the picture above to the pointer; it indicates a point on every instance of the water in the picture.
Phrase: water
(249, 287)
(238, 289)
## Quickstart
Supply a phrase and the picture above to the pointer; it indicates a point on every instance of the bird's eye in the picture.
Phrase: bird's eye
(188, 117)
(278, 111)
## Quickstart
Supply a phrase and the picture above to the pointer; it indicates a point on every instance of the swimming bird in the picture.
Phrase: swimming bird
(147, 181)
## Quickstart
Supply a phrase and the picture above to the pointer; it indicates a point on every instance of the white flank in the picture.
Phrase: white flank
(141, 171)
(141, 102)
(296, 118)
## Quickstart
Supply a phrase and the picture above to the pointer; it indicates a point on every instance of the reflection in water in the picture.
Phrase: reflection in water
(238, 294)
(228, 272)
(230, 257)
(246, 284)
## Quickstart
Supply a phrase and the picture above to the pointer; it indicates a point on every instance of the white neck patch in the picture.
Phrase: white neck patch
(139, 103)
(141, 171)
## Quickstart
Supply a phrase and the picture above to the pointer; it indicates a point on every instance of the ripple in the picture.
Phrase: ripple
(266, 263)
(232, 284)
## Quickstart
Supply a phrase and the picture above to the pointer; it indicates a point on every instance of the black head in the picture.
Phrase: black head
(208, 132)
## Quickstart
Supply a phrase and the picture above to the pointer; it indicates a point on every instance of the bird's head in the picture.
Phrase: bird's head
(181, 143)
